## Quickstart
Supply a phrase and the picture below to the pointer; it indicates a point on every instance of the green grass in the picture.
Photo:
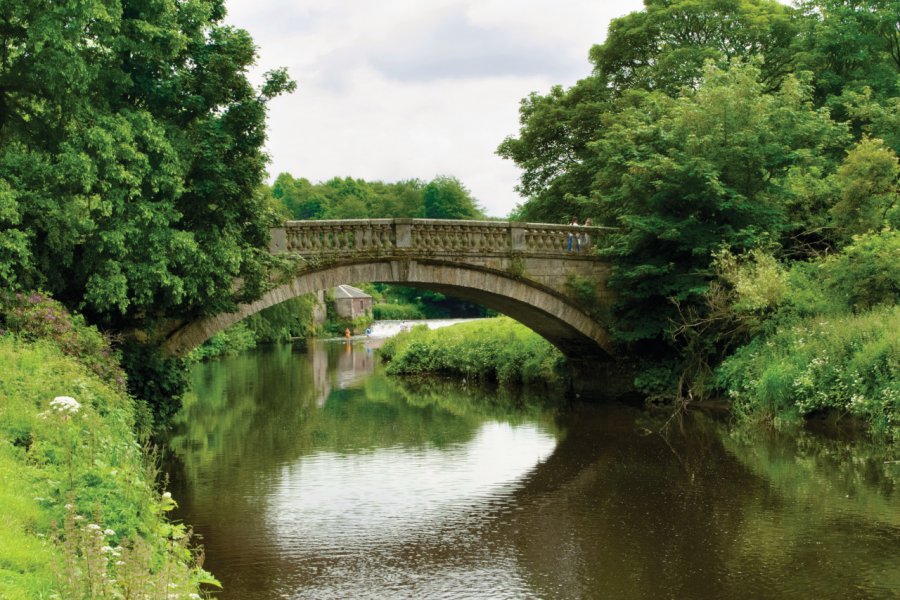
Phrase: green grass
(62, 472)
(847, 365)
(498, 349)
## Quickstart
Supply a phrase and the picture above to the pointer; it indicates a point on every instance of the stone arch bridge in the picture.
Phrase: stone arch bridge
(523, 270)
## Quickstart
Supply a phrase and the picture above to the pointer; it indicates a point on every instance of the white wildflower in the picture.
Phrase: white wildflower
(94, 527)
(167, 496)
(109, 532)
(65, 405)
(106, 549)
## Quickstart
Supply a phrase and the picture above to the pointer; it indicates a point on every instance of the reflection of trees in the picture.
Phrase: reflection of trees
(250, 416)
(615, 513)
(706, 512)
(841, 511)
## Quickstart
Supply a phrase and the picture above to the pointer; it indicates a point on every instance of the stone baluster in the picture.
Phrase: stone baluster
(530, 240)
(499, 241)
(305, 239)
(294, 239)
(470, 237)
(453, 238)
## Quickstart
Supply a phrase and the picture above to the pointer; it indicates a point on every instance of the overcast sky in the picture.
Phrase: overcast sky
(401, 89)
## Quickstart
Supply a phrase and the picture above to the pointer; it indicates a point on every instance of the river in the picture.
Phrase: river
(311, 474)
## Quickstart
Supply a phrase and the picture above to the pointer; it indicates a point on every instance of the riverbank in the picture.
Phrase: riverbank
(497, 349)
(82, 516)
(843, 368)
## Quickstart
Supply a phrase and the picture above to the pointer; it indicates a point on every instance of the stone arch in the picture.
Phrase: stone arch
(542, 309)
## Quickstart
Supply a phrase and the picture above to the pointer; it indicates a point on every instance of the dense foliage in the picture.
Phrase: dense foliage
(740, 146)
(347, 198)
(497, 349)
(130, 156)
(847, 366)
(704, 124)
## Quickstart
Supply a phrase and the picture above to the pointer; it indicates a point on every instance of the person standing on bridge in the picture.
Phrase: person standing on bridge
(587, 234)
(574, 236)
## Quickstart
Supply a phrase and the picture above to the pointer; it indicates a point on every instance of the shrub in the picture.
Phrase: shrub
(157, 379)
(35, 316)
(397, 312)
(867, 272)
(229, 342)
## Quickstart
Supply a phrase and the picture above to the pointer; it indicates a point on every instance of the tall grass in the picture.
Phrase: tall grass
(844, 366)
(81, 515)
(497, 349)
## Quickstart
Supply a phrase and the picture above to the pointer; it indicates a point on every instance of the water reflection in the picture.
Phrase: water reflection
(289, 490)
(312, 475)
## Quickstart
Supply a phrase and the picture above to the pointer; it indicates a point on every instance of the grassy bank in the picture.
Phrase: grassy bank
(82, 516)
(496, 349)
(846, 366)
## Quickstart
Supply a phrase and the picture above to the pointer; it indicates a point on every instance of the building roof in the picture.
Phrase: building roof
(348, 291)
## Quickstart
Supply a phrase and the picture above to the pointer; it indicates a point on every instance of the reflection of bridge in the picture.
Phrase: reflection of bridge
(524, 270)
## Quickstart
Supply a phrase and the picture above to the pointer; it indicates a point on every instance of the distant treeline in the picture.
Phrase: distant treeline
(347, 198)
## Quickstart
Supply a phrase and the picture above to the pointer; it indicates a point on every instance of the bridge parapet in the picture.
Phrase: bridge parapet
(381, 236)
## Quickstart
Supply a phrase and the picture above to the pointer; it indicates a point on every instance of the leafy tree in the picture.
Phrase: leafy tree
(446, 198)
(685, 177)
(850, 45)
(552, 147)
(298, 196)
(868, 188)
(661, 48)
(403, 199)
(130, 157)
(665, 46)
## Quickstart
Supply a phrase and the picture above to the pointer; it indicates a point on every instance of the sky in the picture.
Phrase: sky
(401, 89)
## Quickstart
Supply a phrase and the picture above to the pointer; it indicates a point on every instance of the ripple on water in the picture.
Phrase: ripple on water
(371, 524)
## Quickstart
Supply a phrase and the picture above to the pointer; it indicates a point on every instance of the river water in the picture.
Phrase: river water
(311, 474)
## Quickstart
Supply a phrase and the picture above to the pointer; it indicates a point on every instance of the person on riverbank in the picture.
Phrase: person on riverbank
(574, 237)
(347, 334)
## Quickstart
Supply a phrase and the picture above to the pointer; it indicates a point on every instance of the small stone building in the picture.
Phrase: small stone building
(350, 302)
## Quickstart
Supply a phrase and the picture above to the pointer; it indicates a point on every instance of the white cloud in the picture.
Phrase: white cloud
(398, 89)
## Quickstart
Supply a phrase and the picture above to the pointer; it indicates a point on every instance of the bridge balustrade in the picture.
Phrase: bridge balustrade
(428, 236)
